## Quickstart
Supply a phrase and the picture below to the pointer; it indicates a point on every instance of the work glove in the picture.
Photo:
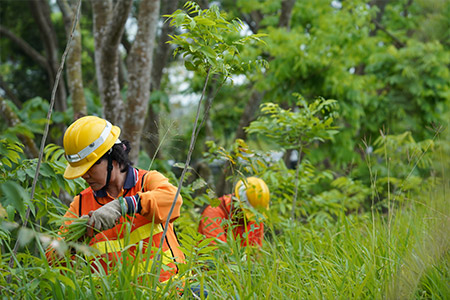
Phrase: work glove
(105, 217)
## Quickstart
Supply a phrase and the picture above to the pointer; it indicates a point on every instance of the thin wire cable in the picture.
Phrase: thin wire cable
(47, 126)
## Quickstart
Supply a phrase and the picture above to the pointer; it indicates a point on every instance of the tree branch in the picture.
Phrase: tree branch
(405, 9)
(117, 23)
(25, 47)
(41, 13)
(160, 58)
(40, 10)
(397, 42)
(163, 50)
(109, 25)
(297, 171)
(253, 20)
(248, 115)
(194, 136)
(125, 42)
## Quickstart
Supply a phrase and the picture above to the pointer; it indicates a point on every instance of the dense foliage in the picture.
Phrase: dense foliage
(342, 109)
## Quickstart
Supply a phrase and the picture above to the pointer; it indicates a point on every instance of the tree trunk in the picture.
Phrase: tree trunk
(27, 49)
(248, 114)
(40, 10)
(73, 61)
(139, 73)
(150, 142)
(109, 22)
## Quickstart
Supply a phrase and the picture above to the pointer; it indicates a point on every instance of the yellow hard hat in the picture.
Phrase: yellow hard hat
(85, 142)
(254, 192)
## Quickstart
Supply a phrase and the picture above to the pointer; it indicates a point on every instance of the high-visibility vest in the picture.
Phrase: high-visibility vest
(212, 224)
(134, 232)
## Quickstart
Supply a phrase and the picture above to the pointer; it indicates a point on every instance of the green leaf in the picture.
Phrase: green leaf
(66, 281)
(189, 65)
(30, 172)
(15, 195)
(192, 24)
(46, 170)
(209, 52)
(204, 21)
(179, 18)
(181, 166)
(198, 184)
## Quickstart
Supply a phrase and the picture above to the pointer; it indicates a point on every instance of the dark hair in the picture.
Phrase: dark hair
(119, 153)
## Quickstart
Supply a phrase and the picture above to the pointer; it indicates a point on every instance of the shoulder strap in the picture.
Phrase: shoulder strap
(79, 205)
(143, 181)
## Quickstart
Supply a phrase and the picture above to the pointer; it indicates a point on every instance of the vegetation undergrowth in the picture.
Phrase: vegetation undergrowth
(335, 246)
(396, 253)
(378, 230)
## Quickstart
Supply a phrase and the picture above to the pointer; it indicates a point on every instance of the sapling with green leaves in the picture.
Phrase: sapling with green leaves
(210, 45)
(297, 129)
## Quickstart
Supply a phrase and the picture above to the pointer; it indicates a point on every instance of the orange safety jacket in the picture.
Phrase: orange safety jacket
(156, 195)
(212, 224)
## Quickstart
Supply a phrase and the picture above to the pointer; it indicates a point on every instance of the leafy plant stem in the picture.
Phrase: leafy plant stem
(297, 170)
(373, 184)
(401, 188)
(188, 159)
(208, 106)
(387, 159)
(159, 146)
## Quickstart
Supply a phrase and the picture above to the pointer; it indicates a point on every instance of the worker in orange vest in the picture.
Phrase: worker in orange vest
(127, 207)
(234, 213)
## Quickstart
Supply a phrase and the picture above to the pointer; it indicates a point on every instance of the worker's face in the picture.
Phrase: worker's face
(96, 175)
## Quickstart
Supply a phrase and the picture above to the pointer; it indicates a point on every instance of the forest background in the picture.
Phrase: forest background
(342, 107)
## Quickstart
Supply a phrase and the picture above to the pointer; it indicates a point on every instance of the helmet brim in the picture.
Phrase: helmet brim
(75, 172)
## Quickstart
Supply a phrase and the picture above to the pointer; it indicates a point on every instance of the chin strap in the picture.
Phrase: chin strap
(110, 167)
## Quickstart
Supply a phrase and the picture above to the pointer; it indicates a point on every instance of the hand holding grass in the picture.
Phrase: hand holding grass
(105, 217)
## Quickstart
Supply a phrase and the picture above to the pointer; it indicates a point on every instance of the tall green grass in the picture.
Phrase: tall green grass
(405, 256)
(400, 253)
(355, 258)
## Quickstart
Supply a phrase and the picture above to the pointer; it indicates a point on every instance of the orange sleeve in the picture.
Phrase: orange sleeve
(157, 198)
(211, 223)
(74, 208)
